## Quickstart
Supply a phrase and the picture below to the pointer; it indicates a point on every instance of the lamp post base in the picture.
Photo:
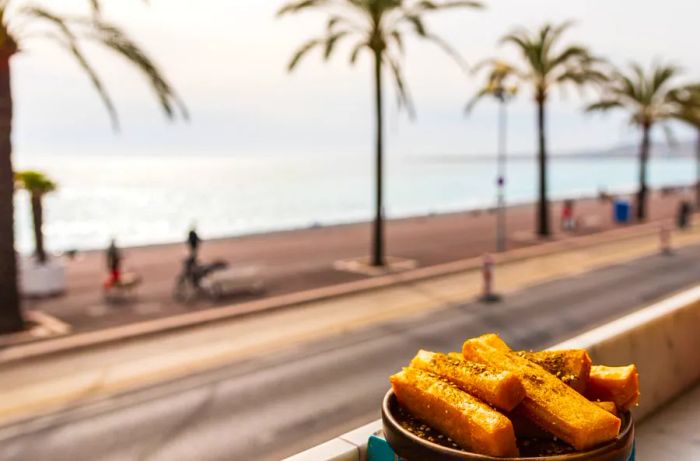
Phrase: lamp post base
(491, 298)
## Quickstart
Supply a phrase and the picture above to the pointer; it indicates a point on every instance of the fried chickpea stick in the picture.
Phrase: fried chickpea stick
(610, 407)
(548, 402)
(499, 388)
(572, 366)
(597, 382)
(525, 428)
(617, 384)
(465, 419)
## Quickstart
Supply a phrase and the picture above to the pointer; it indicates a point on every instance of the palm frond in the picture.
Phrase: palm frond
(582, 76)
(651, 96)
(500, 82)
(119, 42)
(661, 75)
(356, 51)
(96, 6)
(377, 25)
(574, 52)
(67, 39)
(689, 116)
(518, 37)
(403, 97)
(603, 105)
(551, 62)
(300, 5)
(451, 52)
(686, 101)
(506, 68)
(481, 94)
(331, 41)
(398, 40)
(301, 52)
(552, 33)
(427, 5)
(529, 48)
(35, 182)
(418, 25)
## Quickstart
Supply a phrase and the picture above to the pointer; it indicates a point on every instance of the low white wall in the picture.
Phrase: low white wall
(662, 339)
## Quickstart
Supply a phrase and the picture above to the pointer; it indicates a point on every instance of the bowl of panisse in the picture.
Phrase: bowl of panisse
(491, 402)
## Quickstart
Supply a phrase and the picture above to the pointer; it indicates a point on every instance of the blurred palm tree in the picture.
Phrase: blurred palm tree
(651, 99)
(38, 185)
(547, 62)
(23, 23)
(379, 27)
(688, 98)
(500, 84)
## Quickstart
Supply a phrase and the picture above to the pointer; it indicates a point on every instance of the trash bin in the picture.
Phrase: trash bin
(621, 211)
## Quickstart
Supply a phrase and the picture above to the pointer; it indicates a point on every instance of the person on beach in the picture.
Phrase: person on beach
(193, 242)
(567, 216)
(685, 209)
(114, 263)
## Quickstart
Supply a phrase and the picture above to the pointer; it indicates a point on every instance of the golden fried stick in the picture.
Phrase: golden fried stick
(499, 388)
(572, 366)
(524, 428)
(617, 384)
(494, 340)
(610, 407)
(465, 419)
(548, 402)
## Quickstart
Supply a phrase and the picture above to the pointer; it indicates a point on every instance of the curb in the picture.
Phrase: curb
(194, 319)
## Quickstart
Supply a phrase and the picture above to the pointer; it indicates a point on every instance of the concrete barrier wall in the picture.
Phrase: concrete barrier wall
(662, 339)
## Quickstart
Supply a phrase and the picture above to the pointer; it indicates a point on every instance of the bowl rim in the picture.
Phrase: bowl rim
(387, 415)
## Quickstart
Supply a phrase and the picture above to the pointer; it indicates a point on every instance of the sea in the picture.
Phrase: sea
(143, 200)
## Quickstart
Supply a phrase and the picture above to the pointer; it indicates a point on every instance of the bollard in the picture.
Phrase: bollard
(665, 240)
(487, 295)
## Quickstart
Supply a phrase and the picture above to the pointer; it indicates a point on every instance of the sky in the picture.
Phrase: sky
(227, 59)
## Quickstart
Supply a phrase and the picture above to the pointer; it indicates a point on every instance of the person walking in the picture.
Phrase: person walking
(568, 222)
(193, 242)
(685, 209)
(114, 263)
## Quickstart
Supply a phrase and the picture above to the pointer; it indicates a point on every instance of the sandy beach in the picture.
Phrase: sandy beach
(298, 260)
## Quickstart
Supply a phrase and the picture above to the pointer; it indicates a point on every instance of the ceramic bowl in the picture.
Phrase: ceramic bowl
(411, 447)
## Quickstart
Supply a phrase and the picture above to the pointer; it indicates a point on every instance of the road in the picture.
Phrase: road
(270, 407)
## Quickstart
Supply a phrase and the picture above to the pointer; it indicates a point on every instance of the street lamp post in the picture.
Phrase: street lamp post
(497, 87)
(501, 180)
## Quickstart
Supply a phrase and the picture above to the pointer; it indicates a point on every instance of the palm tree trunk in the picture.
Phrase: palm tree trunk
(378, 228)
(543, 229)
(697, 173)
(38, 219)
(10, 313)
(643, 159)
